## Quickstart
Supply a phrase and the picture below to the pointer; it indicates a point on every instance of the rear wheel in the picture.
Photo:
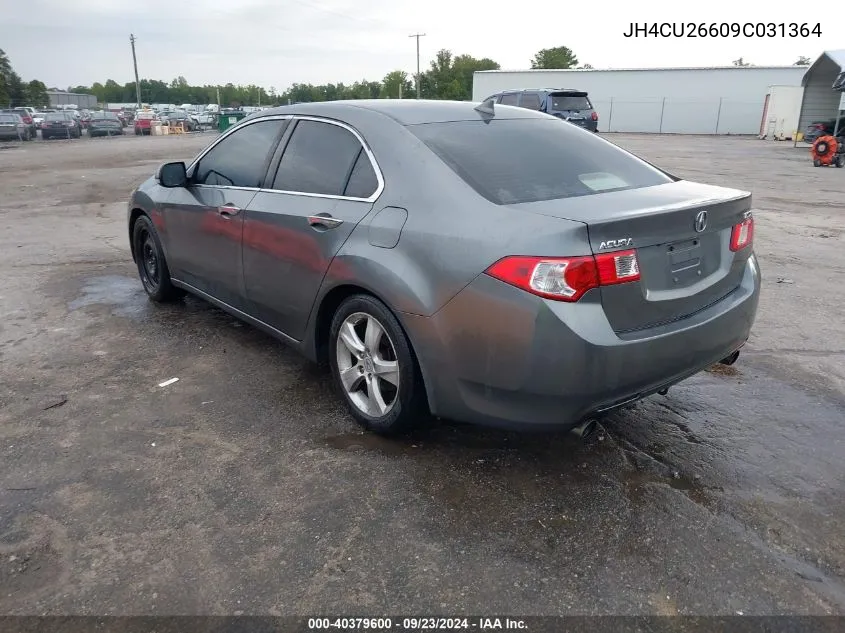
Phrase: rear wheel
(152, 266)
(374, 366)
(817, 162)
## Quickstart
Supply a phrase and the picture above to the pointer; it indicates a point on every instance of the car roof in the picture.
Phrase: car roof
(403, 111)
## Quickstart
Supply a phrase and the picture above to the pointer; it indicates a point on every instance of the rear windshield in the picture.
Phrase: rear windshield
(509, 161)
(8, 118)
(570, 102)
(103, 116)
(55, 116)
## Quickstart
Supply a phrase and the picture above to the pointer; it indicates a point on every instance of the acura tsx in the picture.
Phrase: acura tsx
(478, 262)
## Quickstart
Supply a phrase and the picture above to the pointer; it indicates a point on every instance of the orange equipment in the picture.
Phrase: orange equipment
(826, 151)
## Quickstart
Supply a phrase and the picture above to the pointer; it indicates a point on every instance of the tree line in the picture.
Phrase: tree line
(449, 76)
(14, 91)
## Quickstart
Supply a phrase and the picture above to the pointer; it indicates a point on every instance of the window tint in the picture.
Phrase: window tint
(363, 182)
(318, 159)
(239, 159)
(510, 99)
(563, 102)
(530, 100)
(526, 160)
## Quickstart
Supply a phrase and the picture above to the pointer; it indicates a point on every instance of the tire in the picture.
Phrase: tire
(401, 396)
(152, 266)
(817, 163)
(137, 132)
(840, 161)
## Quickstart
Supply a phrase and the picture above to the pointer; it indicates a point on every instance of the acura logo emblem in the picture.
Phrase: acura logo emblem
(700, 221)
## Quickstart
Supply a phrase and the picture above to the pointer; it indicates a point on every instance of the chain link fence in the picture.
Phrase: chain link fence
(665, 115)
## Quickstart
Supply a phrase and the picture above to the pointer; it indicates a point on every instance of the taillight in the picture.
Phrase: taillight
(566, 278)
(595, 116)
(742, 234)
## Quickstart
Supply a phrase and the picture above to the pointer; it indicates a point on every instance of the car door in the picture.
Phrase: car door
(204, 221)
(325, 183)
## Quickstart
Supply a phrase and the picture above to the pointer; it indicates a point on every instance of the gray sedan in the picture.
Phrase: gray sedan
(482, 263)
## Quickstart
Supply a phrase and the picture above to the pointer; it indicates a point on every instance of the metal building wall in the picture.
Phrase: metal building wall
(726, 100)
(820, 102)
(68, 98)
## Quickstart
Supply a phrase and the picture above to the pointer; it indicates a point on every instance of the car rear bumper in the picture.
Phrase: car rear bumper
(496, 355)
(11, 134)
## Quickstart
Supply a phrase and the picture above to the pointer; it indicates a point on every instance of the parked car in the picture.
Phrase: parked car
(572, 105)
(28, 114)
(143, 122)
(60, 125)
(511, 270)
(38, 119)
(180, 117)
(104, 124)
(822, 128)
(12, 127)
(203, 119)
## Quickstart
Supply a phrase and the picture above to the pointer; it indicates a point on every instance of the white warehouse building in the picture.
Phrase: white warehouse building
(717, 100)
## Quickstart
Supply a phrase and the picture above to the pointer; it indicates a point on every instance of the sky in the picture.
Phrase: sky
(276, 43)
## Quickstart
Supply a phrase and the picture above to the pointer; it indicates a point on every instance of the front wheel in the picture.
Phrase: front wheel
(152, 266)
(374, 366)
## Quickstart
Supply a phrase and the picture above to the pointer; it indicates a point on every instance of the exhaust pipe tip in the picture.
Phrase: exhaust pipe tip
(731, 359)
(585, 429)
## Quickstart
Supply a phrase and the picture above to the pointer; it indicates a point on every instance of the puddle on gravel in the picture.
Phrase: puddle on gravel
(124, 294)
(370, 442)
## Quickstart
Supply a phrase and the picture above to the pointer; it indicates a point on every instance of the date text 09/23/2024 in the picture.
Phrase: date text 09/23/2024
(422, 623)
(723, 29)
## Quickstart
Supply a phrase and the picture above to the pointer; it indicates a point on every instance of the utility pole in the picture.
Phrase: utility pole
(418, 36)
(135, 64)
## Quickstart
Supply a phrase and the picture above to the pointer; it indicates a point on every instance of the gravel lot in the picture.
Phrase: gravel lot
(245, 488)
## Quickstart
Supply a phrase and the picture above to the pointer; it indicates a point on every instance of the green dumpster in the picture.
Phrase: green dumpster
(225, 120)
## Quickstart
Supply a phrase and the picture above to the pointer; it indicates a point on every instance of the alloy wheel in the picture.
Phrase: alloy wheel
(367, 364)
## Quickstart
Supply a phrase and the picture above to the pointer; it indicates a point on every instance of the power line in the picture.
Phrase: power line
(418, 36)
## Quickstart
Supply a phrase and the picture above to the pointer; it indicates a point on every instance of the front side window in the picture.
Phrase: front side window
(510, 99)
(320, 158)
(239, 160)
(510, 161)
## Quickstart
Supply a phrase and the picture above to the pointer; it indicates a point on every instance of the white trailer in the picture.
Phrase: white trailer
(781, 111)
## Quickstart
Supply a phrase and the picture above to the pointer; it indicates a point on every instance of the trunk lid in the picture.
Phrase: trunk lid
(685, 263)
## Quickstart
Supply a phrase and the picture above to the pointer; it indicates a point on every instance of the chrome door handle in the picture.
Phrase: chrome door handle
(323, 221)
(228, 210)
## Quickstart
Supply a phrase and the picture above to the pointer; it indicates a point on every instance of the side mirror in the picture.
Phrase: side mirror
(172, 175)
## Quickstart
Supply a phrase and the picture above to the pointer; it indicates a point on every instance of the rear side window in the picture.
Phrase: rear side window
(319, 158)
(362, 182)
(239, 160)
(509, 161)
(571, 102)
(530, 100)
(510, 99)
